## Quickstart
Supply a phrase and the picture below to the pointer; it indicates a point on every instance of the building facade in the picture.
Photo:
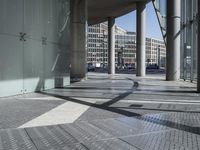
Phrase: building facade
(125, 47)
(34, 45)
(43, 43)
(185, 56)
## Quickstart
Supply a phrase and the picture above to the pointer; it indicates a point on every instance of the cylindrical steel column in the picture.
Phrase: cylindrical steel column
(111, 45)
(141, 39)
(78, 39)
(173, 40)
(198, 50)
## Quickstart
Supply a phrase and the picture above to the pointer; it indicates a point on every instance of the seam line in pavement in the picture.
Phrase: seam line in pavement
(31, 139)
(130, 144)
(72, 136)
(84, 146)
(68, 133)
(123, 95)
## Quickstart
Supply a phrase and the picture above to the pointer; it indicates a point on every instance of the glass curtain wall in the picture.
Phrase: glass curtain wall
(189, 40)
(34, 45)
(160, 9)
(188, 34)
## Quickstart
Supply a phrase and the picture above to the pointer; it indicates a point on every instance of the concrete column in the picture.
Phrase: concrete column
(198, 51)
(111, 45)
(141, 39)
(173, 40)
(78, 39)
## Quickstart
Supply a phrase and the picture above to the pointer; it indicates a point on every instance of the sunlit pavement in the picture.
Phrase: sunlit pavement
(103, 113)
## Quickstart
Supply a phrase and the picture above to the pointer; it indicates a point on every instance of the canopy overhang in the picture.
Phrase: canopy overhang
(100, 10)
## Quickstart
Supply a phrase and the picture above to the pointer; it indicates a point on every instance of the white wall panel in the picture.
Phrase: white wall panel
(11, 16)
(51, 20)
(33, 65)
(11, 65)
(34, 16)
(51, 56)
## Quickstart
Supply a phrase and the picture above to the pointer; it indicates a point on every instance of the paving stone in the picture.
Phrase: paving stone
(168, 140)
(52, 137)
(121, 125)
(15, 139)
(15, 112)
(189, 119)
(84, 131)
(112, 144)
(142, 126)
(74, 147)
(114, 127)
(95, 113)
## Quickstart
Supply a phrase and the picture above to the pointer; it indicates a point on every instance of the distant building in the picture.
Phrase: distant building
(97, 44)
(125, 47)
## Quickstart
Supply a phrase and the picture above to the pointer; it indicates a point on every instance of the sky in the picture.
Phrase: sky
(128, 22)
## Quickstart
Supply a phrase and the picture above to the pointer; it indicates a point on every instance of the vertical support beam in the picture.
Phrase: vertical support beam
(78, 39)
(111, 46)
(198, 50)
(141, 39)
(173, 40)
(158, 57)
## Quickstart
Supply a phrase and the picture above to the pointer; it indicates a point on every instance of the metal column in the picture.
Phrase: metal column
(198, 51)
(111, 45)
(173, 40)
(141, 39)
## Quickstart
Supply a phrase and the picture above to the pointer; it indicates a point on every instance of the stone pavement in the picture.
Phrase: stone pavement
(120, 112)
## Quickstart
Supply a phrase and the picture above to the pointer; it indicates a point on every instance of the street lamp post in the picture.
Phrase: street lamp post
(158, 55)
(122, 58)
(103, 48)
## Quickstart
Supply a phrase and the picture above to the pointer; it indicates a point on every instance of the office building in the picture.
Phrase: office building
(125, 47)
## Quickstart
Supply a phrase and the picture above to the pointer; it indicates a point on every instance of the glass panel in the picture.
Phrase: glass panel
(56, 62)
(63, 23)
(46, 49)
(62, 67)
(50, 60)
(189, 40)
(194, 40)
(33, 66)
(188, 35)
(34, 19)
(160, 8)
(34, 37)
(11, 17)
(11, 74)
(57, 20)
(51, 20)
(11, 48)
(33, 48)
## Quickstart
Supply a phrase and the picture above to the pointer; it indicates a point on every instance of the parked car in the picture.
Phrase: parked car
(90, 67)
(130, 66)
(152, 66)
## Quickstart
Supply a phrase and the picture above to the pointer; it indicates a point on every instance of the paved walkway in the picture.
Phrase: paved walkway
(120, 112)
